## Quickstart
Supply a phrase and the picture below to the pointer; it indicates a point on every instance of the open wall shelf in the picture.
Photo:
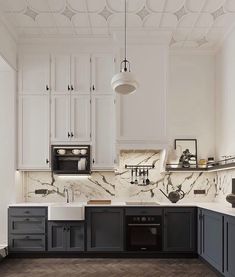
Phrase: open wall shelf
(219, 167)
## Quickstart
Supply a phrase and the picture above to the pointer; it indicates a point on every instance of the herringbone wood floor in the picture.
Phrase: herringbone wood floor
(71, 267)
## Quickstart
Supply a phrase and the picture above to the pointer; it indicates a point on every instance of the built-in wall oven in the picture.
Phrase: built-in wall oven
(144, 232)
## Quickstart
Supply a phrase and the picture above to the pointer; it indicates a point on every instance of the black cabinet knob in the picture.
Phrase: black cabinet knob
(72, 135)
(68, 88)
(47, 87)
(71, 87)
(68, 135)
(93, 87)
(93, 161)
(47, 161)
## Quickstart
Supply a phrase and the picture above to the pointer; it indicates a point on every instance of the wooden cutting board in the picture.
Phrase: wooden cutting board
(99, 202)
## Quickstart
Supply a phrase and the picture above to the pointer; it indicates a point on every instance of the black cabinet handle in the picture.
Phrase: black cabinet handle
(27, 212)
(71, 134)
(68, 135)
(68, 229)
(93, 87)
(93, 161)
(68, 87)
(71, 87)
(47, 161)
(47, 87)
(64, 229)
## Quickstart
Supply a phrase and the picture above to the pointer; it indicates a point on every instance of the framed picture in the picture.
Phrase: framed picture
(187, 151)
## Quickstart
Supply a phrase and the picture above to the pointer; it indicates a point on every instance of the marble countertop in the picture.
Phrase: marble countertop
(213, 206)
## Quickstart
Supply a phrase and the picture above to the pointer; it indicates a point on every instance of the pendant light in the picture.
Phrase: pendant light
(124, 82)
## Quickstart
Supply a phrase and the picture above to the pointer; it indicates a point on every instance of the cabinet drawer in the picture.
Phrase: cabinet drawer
(27, 225)
(143, 211)
(26, 243)
(27, 211)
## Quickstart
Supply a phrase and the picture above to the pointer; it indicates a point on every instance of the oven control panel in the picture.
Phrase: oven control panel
(143, 219)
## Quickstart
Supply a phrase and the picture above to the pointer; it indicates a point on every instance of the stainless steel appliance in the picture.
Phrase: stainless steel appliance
(144, 232)
(72, 159)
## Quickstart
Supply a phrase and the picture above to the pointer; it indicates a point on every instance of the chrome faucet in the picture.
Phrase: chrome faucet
(67, 194)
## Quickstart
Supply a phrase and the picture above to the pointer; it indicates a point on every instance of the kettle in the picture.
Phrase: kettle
(175, 196)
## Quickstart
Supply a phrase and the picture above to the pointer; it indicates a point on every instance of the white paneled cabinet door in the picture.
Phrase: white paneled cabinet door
(103, 128)
(34, 73)
(61, 67)
(80, 74)
(60, 118)
(102, 73)
(80, 118)
(33, 132)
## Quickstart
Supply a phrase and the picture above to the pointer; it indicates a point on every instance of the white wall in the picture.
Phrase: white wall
(7, 144)
(191, 100)
(225, 98)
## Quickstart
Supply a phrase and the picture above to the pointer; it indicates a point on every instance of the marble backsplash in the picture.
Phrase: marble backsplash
(117, 187)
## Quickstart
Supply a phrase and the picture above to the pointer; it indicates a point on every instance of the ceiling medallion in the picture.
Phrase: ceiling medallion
(29, 12)
(105, 13)
(218, 13)
(68, 13)
(143, 13)
(180, 13)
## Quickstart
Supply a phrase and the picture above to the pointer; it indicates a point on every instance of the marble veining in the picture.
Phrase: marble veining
(116, 185)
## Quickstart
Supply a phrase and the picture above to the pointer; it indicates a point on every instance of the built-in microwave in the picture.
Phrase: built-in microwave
(72, 159)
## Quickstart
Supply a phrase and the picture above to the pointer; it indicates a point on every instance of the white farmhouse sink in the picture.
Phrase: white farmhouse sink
(64, 211)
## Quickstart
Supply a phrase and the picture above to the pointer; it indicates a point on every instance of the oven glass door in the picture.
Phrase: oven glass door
(144, 237)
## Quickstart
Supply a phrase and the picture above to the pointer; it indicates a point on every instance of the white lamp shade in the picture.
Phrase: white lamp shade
(124, 83)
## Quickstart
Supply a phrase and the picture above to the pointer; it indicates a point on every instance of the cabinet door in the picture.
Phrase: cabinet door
(80, 74)
(57, 233)
(104, 229)
(34, 132)
(80, 118)
(179, 231)
(199, 231)
(229, 243)
(61, 82)
(60, 118)
(34, 73)
(75, 236)
(102, 73)
(103, 128)
(212, 245)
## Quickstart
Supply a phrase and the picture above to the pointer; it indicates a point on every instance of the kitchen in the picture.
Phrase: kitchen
(117, 153)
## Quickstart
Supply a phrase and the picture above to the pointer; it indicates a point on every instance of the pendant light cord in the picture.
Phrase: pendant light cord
(125, 68)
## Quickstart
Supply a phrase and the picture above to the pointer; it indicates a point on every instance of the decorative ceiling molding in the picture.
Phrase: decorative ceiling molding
(192, 23)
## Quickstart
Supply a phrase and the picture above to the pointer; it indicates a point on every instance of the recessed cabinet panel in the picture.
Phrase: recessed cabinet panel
(33, 132)
(34, 75)
(229, 243)
(80, 118)
(60, 117)
(102, 73)
(80, 74)
(103, 126)
(61, 73)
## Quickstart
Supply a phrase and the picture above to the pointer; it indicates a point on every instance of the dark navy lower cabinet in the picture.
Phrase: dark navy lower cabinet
(27, 229)
(65, 236)
(229, 246)
(105, 229)
(212, 236)
(180, 229)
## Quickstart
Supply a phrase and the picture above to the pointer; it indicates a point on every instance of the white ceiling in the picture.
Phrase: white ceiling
(200, 24)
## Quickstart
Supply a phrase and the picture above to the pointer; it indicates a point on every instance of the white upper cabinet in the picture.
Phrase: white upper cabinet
(102, 73)
(80, 73)
(103, 132)
(60, 118)
(33, 144)
(80, 118)
(61, 68)
(34, 73)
